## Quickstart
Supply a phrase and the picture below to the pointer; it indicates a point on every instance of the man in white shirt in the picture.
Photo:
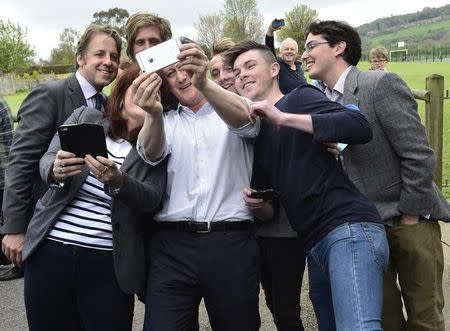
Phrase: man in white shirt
(204, 247)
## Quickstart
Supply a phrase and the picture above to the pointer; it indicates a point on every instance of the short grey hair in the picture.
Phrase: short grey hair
(291, 41)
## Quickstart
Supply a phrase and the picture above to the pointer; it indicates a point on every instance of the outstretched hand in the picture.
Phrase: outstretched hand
(145, 91)
(194, 61)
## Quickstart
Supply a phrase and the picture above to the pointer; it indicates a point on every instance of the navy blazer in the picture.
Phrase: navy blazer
(139, 196)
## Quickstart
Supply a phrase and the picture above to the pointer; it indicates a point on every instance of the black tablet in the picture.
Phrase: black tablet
(82, 139)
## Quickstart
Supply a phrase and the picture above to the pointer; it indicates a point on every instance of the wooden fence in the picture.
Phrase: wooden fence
(10, 83)
(433, 95)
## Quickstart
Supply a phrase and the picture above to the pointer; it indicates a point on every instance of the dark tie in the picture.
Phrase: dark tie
(99, 99)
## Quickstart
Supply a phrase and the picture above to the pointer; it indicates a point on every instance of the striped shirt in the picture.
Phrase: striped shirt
(86, 220)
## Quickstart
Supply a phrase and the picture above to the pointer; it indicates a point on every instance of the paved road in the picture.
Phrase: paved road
(12, 314)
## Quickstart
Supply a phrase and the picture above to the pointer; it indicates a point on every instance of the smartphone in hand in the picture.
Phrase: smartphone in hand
(159, 56)
(278, 23)
(268, 194)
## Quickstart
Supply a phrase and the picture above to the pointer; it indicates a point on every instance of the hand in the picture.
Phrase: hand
(252, 203)
(267, 110)
(146, 93)
(66, 165)
(194, 61)
(333, 149)
(12, 245)
(105, 170)
(407, 219)
(271, 29)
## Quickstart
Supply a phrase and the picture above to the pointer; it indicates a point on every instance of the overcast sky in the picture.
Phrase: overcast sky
(46, 19)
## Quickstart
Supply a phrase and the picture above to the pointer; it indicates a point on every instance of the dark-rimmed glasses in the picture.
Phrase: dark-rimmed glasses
(313, 44)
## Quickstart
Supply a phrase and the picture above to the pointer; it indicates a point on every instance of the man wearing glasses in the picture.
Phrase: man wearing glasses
(378, 58)
(394, 170)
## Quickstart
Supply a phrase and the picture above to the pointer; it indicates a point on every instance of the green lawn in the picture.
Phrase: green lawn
(413, 73)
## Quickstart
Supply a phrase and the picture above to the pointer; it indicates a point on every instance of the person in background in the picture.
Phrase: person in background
(84, 247)
(291, 73)
(222, 74)
(44, 109)
(378, 57)
(124, 64)
(394, 170)
(282, 254)
(6, 129)
(144, 30)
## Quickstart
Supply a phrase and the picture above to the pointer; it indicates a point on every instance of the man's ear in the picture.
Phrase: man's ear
(341, 47)
(80, 60)
(274, 69)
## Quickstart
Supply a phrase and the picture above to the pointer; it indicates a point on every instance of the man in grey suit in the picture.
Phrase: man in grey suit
(395, 170)
(42, 112)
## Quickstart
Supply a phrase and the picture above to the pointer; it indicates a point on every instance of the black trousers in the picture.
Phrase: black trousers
(282, 268)
(220, 267)
(64, 283)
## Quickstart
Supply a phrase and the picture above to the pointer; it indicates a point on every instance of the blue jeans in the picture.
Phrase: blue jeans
(346, 277)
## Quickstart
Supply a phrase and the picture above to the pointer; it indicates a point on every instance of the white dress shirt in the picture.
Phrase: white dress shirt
(209, 166)
(89, 91)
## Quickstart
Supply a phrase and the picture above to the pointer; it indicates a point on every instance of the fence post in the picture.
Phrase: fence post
(434, 118)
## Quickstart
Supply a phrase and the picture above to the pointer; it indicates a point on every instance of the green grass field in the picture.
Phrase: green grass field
(413, 73)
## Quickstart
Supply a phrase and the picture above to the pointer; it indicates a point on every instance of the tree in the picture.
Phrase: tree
(209, 29)
(115, 17)
(297, 20)
(243, 20)
(15, 52)
(67, 47)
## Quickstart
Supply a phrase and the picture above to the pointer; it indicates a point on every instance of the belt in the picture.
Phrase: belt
(205, 227)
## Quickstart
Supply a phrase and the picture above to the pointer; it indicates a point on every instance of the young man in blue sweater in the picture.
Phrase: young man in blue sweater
(341, 228)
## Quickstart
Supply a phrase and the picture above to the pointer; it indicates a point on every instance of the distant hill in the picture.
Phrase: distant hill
(423, 30)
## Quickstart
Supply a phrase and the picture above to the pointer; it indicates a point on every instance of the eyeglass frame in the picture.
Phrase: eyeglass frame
(311, 45)
(377, 61)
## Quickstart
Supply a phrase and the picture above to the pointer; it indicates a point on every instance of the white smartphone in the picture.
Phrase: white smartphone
(159, 56)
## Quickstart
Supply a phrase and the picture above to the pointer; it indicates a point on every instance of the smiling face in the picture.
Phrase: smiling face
(100, 62)
(255, 78)
(289, 52)
(318, 56)
(221, 74)
(146, 37)
(180, 85)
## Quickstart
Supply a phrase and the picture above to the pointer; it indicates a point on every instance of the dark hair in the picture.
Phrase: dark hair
(247, 45)
(337, 31)
(114, 106)
(91, 30)
(141, 20)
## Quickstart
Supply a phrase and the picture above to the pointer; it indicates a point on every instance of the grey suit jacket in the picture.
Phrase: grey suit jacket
(131, 208)
(41, 113)
(395, 169)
